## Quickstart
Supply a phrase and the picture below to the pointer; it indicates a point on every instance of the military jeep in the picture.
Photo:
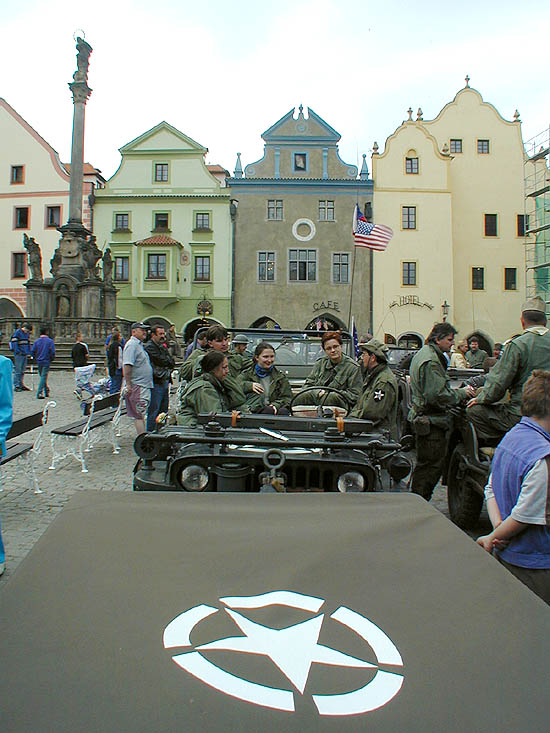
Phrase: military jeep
(266, 453)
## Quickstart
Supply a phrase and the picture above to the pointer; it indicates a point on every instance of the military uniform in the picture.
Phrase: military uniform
(186, 369)
(476, 358)
(378, 401)
(431, 396)
(280, 393)
(202, 394)
(344, 376)
(232, 383)
(493, 416)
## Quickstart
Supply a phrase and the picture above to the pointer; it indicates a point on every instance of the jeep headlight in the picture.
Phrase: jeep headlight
(194, 478)
(351, 481)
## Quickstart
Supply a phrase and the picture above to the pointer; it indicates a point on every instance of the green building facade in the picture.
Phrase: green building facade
(166, 218)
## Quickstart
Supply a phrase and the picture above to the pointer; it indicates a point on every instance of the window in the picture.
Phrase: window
(340, 267)
(161, 172)
(17, 174)
(202, 221)
(455, 146)
(53, 216)
(483, 147)
(19, 264)
(302, 264)
(122, 222)
(478, 278)
(411, 165)
(408, 217)
(156, 267)
(523, 224)
(275, 209)
(161, 221)
(510, 278)
(326, 210)
(122, 269)
(22, 217)
(266, 266)
(409, 273)
(490, 225)
(202, 268)
(299, 162)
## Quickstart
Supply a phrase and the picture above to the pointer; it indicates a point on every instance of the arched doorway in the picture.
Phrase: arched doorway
(157, 321)
(485, 341)
(326, 322)
(410, 340)
(10, 309)
(191, 327)
(265, 322)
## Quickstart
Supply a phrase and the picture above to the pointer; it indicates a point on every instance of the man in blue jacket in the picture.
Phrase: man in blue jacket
(43, 352)
(21, 346)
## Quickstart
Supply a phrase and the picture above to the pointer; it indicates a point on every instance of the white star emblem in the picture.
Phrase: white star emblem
(379, 395)
(293, 649)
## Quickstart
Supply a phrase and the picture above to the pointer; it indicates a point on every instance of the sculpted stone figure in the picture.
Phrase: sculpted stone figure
(82, 60)
(107, 267)
(35, 257)
(55, 262)
(63, 309)
(91, 254)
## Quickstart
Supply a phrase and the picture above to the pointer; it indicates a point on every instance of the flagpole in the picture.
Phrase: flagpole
(351, 291)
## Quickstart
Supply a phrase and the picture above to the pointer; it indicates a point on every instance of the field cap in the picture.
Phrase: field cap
(534, 304)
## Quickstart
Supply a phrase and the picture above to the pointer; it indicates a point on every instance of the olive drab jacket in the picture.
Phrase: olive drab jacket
(476, 358)
(521, 356)
(344, 376)
(378, 402)
(232, 382)
(202, 394)
(431, 391)
(280, 393)
(186, 369)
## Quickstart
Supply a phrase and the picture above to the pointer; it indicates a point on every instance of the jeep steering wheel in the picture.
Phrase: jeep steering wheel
(327, 390)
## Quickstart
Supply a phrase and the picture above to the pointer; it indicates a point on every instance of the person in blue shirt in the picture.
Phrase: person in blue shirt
(6, 415)
(43, 352)
(20, 344)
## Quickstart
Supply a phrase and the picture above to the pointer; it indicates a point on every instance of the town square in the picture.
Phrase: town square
(274, 367)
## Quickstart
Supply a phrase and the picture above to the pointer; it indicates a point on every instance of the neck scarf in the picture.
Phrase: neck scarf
(261, 372)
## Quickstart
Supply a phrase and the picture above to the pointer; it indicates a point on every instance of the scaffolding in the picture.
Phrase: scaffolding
(537, 216)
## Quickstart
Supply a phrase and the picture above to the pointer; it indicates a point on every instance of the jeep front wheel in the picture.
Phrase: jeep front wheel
(464, 493)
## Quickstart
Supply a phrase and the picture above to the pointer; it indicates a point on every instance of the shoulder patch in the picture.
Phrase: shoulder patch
(379, 395)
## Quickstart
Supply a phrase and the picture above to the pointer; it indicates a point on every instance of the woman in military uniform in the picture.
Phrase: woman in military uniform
(266, 388)
(335, 370)
(207, 392)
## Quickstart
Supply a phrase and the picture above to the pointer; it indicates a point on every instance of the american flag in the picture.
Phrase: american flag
(373, 236)
(355, 337)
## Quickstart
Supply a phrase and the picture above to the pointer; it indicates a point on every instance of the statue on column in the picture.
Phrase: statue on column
(55, 262)
(107, 267)
(35, 258)
(82, 60)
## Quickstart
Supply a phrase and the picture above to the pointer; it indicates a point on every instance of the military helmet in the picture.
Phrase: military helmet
(240, 338)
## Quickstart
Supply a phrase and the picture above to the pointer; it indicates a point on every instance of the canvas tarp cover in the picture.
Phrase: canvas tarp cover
(339, 612)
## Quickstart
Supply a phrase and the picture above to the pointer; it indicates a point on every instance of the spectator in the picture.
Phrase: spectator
(138, 373)
(6, 415)
(110, 336)
(21, 346)
(458, 358)
(201, 344)
(162, 363)
(79, 352)
(43, 352)
(114, 362)
(173, 344)
(518, 491)
(497, 350)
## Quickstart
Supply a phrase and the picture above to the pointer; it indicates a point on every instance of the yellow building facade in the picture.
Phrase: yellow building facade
(451, 188)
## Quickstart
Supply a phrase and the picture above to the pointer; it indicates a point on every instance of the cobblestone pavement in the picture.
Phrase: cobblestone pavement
(25, 515)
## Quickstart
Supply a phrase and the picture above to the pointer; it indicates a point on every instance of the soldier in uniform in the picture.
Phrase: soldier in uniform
(206, 393)
(378, 402)
(335, 370)
(475, 356)
(491, 414)
(432, 395)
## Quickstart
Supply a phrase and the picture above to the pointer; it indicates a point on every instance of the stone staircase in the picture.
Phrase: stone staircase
(63, 361)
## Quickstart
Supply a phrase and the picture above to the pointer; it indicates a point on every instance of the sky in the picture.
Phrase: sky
(224, 72)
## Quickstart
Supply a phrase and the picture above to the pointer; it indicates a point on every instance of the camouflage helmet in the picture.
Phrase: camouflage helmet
(376, 347)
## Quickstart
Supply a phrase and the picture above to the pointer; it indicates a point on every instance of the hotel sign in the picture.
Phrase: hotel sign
(410, 300)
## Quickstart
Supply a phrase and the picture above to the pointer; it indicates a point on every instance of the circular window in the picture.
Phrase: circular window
(303, 230)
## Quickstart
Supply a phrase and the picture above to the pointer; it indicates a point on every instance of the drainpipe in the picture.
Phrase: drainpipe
(233, 205)
(368, 216)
